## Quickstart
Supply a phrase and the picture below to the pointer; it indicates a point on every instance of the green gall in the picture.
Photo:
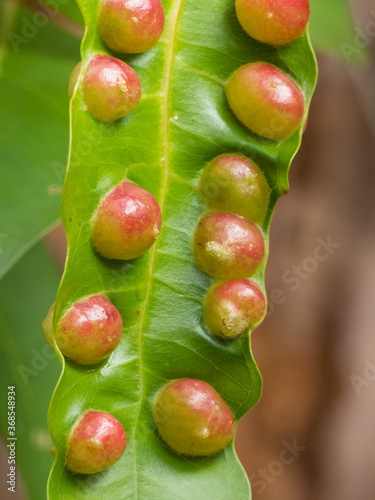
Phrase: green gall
(89, 330)
(111, 88)
(127, 222)
(192, 418)
(266, 100)
(276, 22)
(234, 183)
(96, 441)
(227, 246)
(234, 308)
(131, 26)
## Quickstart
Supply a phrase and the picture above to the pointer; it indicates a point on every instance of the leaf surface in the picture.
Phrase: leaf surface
(182, 122)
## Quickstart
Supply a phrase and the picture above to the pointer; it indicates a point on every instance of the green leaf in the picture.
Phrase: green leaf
(332, 30)
(27, 361)
(35, 64)
(68, 8)
(183, 122)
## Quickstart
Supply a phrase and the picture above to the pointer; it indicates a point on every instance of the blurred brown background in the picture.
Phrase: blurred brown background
(313, 433)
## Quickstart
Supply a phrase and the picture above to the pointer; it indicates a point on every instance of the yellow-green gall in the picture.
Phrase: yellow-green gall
(234, 183)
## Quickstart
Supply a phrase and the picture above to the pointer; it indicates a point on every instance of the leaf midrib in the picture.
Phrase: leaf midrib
(170, 58)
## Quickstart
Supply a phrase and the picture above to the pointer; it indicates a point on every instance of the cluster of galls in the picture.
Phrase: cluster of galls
(126, 223)
(111, 88)
(264, 99)
(229, 246)
(190, 415)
